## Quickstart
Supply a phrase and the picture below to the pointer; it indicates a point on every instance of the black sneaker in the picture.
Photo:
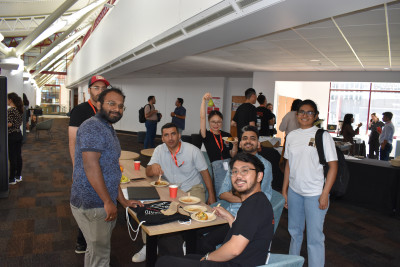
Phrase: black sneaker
(12, 181)
(79, 248)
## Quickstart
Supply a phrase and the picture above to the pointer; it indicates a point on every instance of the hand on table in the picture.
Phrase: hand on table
(111, 211)
(134, 203)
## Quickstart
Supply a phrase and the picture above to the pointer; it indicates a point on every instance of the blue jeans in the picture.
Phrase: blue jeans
(384, 155)
(219, 174)
(151, 128)
(305, 210)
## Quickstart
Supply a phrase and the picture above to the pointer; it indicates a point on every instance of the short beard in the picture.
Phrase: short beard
(106, 116)
(245, 192)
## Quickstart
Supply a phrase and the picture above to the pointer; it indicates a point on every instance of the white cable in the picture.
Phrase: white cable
(130, 228)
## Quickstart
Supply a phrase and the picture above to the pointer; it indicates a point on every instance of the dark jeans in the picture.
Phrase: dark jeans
(151, 128)
(81, 239)
(385, 152)
(210, 238)
(189, 260)
(373, 149)
(14, 154)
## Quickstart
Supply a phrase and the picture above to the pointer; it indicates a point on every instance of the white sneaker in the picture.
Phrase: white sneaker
(140, 256)
(18, 179)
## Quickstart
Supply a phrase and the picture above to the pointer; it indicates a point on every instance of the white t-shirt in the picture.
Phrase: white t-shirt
(306, 173)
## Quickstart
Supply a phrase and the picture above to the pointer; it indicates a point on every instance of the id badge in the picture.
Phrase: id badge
(226, 165)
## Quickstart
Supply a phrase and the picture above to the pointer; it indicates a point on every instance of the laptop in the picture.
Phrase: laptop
(143, 193)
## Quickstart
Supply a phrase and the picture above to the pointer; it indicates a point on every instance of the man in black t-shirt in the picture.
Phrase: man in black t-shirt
(250, 233)
(246, 113)
(79, 114)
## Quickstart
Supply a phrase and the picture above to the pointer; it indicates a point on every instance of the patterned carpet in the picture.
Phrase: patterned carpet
(38, 229)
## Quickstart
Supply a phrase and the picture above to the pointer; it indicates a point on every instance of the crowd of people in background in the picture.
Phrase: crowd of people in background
(239, 179)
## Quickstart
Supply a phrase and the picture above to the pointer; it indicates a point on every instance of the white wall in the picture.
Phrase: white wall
(166, 90)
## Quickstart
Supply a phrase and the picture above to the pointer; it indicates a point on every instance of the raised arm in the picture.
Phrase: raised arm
(203, 120)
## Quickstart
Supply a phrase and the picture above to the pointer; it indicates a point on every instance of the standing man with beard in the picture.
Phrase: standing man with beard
(96, 178)
(230, 198)
(79, 114)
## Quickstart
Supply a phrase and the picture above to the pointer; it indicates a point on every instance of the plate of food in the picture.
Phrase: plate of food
(203, 216)
(159, 183)
(124, 179)
(189, 200)
(229, 139)
(194, 208)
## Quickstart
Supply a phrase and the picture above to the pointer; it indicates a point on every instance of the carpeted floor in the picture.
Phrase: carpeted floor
(37, 227)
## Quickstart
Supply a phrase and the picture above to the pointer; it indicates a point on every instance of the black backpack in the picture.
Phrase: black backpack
(342, 178)
(142, 118)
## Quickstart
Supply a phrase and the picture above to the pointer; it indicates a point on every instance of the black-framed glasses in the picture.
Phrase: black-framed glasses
(308, 113)
(113, 104)
(243, 171)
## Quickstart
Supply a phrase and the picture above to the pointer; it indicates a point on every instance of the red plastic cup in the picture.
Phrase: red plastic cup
(173, 191)
(137, 165)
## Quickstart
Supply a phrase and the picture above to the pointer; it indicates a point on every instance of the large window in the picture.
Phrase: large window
(362, 99)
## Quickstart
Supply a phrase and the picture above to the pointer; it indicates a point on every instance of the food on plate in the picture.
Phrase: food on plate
(188, 199)
(202, 216)
(124, 179)
(230, 139)
(194, 209)
(158, 182)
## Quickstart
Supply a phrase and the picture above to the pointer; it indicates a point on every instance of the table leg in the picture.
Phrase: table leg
(151, 250)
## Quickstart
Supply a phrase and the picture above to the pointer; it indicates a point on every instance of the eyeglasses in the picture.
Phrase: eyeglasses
(243, 172)
(308, 113)
(97, 88)
(216, 122)
(113, 104)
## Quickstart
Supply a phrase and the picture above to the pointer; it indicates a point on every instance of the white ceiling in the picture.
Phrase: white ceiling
(365, 40)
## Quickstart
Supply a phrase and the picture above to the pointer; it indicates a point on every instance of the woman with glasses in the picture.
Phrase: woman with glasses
(219, 151)
(304, 186)
(14, 121)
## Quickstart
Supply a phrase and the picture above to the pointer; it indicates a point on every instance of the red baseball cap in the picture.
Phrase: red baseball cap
(97, 78)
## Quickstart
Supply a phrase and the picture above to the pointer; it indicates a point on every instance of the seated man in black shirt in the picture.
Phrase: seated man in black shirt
(250, 233)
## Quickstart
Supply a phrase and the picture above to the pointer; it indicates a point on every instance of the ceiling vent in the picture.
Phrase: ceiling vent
(207, 20)
(115, 64)
(144, 49)
(245, 3)
(168, 38)
(127, 57)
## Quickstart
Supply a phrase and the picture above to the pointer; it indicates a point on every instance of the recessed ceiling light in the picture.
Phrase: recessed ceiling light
(314, 60)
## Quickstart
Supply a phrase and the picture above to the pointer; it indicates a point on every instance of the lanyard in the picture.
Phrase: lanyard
(90, 103)
(216, 141)
(174, 156)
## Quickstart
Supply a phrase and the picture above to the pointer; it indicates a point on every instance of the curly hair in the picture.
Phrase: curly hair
(17, 101)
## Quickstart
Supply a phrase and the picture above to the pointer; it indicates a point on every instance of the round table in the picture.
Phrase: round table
(147, 152)
(128, 155)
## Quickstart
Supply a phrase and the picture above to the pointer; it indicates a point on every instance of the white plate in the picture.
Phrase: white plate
(226, 139)
(189, 200)
(194, 208)
(211, 217)
(164, 183)
(124, 182)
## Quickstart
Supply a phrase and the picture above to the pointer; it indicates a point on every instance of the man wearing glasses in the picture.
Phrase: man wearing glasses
(182, 164)
(96, 178)
(230, 199)
(249, 232)
(79, 114)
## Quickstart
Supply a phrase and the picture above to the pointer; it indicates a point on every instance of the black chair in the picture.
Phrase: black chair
(186, 138)
(197, 140)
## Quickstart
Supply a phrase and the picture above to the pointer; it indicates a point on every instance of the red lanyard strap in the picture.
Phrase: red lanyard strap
(90, 103)
(174, 156)
(221, 147)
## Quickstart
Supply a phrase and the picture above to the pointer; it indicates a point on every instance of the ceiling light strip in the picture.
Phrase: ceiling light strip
(313, 46)
(348, 43)
(388, 34)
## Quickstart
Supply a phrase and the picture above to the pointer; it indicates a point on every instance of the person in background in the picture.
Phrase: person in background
(250, 231)
(289, 121)
(386, 137)
(14, 121)
(179, 115)
(264, 117)
(219, 151)
(25, 118)
(347, 130)
(304, 187)
(151, 115)
(79, 114)
(376, 128)
(246, 113)
(271, 107)
(96, 178)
